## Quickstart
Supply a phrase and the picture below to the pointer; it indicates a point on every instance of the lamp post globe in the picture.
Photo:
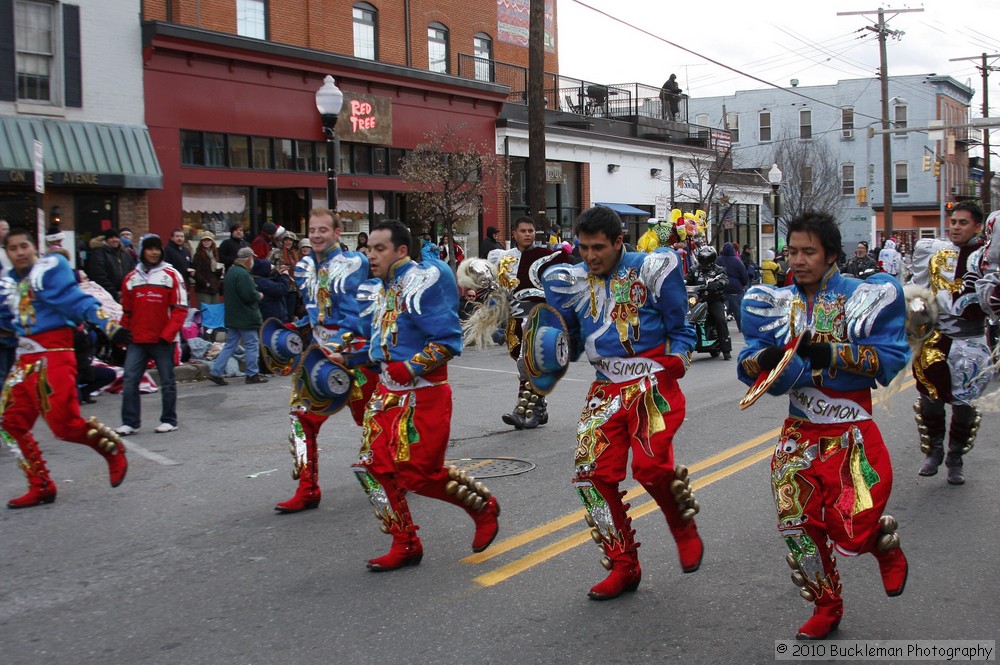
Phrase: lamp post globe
(329, 102)
(774, 177)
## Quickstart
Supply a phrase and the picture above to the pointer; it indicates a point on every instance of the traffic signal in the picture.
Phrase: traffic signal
(862, 196)
(927, 162)
(949, 206)
(937, 168)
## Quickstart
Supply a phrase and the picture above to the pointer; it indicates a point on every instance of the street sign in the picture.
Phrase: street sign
(39, 167)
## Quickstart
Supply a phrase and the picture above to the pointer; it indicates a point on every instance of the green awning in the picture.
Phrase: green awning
(78, 153)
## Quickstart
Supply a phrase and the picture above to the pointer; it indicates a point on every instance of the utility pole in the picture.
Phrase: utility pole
(985, 190)
(883, 32)
(536, 113)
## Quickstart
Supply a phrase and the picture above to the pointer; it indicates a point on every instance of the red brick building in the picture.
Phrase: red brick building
(230, 101)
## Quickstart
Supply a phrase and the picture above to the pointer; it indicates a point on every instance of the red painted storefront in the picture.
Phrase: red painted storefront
(198, 81)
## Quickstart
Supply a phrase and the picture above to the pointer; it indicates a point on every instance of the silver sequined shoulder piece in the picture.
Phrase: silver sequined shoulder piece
(923, 250)
(655, 268)
(37, 275)
(340, 268)
(775, 305)
(572, 281)
(864, 306)
(368, 294)
(535, 269)
(415, 284)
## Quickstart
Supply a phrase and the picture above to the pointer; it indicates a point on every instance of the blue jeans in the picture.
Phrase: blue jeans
(136, 358)
(733, 303)
(250, 339)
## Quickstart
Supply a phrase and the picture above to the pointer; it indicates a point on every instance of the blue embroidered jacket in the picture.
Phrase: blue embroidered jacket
(48, 298)
(865, 321)
(412, 316)
(328, 284)
(638, 309)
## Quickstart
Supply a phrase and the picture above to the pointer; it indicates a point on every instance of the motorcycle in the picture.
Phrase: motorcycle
(706, 335)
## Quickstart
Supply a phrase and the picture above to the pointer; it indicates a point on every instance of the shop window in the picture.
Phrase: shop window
(396, 157)
(192, 153)
(215, 149)
(261, 152)
(239, 152)
(283, 158)
(437, 48)
(251, 18)
(305, 158)
(380, 161)
(365, 31)
(362, 159)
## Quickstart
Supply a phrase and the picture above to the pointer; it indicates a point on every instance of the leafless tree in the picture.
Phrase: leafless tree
(452, 179)
(810, 177)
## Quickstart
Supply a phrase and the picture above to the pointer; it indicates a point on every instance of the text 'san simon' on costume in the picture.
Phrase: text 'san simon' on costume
(830, 472)
(952, 365)
(413, 331)
(632, 325)
(328, 283)
(42, 308)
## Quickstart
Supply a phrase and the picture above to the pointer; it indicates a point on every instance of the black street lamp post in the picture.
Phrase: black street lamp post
(774, 177)
(329, 102)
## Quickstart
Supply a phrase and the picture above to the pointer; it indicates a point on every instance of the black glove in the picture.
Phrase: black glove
(769, 358)
(819, 354)
(122, 337)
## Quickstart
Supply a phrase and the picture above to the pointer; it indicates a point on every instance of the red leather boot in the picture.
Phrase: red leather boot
(487, 525)
(392, 510)
(825, 619)
(305, 427)
(673, 496)
(41, 489)
(892, 564)
(621, 559)
(463, 490)
(109, 445)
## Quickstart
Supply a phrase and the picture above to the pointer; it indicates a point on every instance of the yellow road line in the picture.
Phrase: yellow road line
(519, 566)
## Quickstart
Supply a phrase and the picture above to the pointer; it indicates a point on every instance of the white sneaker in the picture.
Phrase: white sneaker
(125, 430)
(164, 428)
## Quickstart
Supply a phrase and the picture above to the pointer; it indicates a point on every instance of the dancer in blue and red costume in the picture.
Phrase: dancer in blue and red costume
(328, 280)
(41, 303)
(412, 310)
(831, 473)
(628, 311)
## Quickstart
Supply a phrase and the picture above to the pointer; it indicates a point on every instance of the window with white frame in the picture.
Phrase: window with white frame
(847, 179)
(482, 50)
(251, 18)
(437, 48)
(365, 31)
(847, 122)
(901, 178)
(805, 124)
(701, 119)
(733, 125)
(899, 117)
(35, 38)
(806, 184)
(764, 122)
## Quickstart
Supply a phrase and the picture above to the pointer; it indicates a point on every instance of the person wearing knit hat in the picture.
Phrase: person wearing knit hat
(155, 305)
(264, 241)
(207, 269)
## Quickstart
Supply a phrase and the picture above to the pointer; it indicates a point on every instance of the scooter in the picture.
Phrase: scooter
(706, 335)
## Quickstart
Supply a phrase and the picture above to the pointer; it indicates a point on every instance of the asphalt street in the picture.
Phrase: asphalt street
(187, 562)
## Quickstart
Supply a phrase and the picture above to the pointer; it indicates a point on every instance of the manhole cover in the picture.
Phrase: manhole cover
(491, 467)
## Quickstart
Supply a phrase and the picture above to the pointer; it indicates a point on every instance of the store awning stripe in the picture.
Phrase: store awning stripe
(624, 209)
(81, 147)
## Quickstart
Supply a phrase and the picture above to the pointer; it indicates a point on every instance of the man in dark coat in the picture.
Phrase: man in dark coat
(738, 281)
(109, 263)
(178, 254)
(263, 243)
(234, 243)
(242, 319)
(489, 243)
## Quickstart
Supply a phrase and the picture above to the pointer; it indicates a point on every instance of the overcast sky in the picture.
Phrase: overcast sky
(775, 40)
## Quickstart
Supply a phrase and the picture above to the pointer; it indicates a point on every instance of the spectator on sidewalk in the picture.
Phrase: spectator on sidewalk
(234, 243)
(109, 263)
(738, 281)
(243, 319)
(178, 254)
(155, 304)
(207, 270)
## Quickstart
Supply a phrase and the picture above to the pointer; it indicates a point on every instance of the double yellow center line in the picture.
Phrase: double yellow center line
(760, 448)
